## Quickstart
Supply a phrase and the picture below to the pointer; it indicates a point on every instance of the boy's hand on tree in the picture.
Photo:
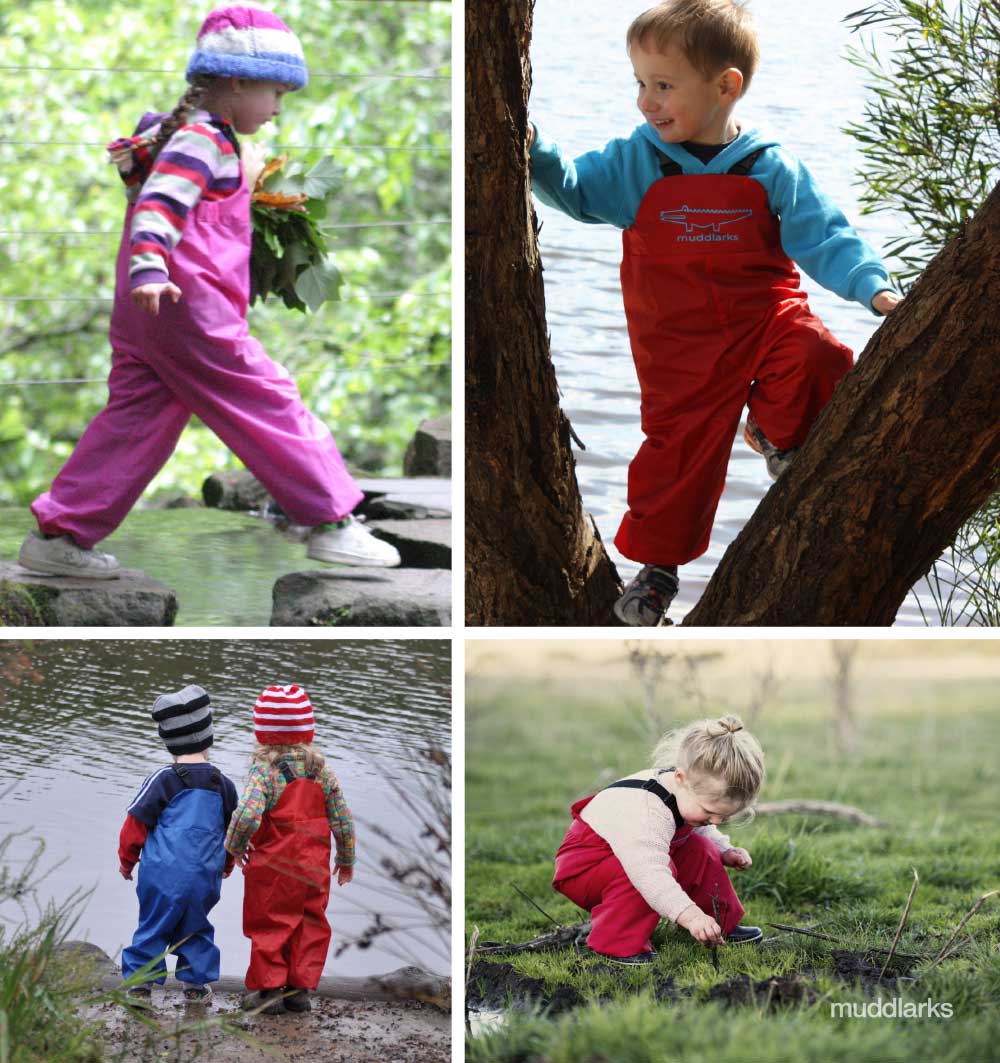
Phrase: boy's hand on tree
(344, 874)
(701, 927)
(531, 135)
(738, 858)
(147, 296)
(885, 302)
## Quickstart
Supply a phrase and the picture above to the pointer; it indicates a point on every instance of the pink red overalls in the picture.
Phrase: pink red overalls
(196, 357)
(286, 887)
(717, 321)
(592, 877)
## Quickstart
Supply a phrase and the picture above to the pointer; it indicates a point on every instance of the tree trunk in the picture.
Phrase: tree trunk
(532, 556)
(906, 451)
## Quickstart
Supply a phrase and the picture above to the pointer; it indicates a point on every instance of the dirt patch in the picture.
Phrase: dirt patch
(495, 986)
(787, 990)
(335, 1031)
(864, 967)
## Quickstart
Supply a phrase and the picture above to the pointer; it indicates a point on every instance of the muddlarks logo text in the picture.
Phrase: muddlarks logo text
(891, 1008)
(708, 219)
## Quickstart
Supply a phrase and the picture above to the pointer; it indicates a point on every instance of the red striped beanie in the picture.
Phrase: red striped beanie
(283, 716)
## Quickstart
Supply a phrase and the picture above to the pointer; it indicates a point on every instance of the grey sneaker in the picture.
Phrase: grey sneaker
(298, 999)
(62, 557)
(139, 996)
(647, 597)
(352, 544)
(272, 998)
(640, 959)
(777, 461)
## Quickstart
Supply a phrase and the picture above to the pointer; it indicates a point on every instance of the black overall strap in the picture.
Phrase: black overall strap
(285, 770)
(653, 787)
(745, 165)
(668, 167)
(214, 779)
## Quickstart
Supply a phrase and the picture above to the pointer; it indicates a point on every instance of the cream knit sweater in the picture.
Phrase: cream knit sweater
(639, 828)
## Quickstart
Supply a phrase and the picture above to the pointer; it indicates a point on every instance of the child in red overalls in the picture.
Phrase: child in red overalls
(646, 847)
(179, 336)
(280, 836)
(713, 214)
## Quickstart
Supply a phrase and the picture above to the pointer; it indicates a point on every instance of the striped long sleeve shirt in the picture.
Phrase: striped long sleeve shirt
(262, 792)
(200, 161)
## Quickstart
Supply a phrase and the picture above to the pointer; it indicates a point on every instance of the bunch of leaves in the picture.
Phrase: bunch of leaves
(930, 138)
(290, 257)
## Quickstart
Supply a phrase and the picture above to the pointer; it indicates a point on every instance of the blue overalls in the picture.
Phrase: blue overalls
(180, 880)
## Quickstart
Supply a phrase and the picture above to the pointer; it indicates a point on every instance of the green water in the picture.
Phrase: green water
(222, 566)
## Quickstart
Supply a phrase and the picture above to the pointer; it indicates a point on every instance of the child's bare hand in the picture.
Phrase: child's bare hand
(344, 874)
(125, 872)
(254, 158)
(738, 858)
(885, 302)
(531, 135)
(147, 296)
(701, 927)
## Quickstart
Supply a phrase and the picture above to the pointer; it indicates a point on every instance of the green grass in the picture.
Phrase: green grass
(925, 769)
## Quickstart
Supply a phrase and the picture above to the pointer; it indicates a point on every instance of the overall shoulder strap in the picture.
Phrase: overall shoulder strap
(746, 164)
(285, 770)
(653, 787)
(183, 774)
(668, 167)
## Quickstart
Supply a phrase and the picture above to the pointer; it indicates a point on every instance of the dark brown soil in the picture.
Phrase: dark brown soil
(497, 986)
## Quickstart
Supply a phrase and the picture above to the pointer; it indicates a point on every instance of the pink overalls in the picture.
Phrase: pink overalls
(716, 320)
(592, 877)
(196, 357)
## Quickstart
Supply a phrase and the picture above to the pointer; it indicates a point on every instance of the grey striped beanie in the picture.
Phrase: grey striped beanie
(185, 720)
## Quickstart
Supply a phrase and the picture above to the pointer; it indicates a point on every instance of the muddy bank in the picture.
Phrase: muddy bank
(335, 1031)
(495, 985)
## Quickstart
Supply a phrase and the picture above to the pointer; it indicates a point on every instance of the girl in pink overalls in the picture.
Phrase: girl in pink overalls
(178, 329)
(280, 836)
(646, 847)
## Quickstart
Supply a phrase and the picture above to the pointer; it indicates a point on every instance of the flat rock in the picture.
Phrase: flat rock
(363, 597)
(429, 452)
(431, 493)
(421, 543)
(133, 600)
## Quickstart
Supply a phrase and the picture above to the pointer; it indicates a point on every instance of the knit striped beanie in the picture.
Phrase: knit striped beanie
(245, 41)
(283, 716)
(184, 720)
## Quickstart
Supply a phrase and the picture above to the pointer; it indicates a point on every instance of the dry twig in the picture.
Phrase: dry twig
(902, 923)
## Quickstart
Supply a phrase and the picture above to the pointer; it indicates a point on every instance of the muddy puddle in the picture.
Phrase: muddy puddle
(495, 986)
(335, 1031)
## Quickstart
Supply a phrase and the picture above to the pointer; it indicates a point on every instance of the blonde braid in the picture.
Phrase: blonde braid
(188, 102)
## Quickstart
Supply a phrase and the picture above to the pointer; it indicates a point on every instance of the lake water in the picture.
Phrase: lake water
(76, 742)
(582, 96)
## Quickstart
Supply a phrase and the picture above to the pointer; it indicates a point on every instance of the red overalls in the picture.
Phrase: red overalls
(717, 321)
(286, 889)
(592, 877)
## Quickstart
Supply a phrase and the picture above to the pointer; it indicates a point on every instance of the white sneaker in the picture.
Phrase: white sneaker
(62, 557)
(353, 544)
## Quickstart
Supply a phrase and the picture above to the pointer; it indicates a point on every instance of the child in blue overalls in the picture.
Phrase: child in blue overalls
(713, 214)
(175, 829)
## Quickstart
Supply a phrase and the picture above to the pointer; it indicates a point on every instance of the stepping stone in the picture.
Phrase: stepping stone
(133, 600)
(429, 452)
(421, 543)
(363, 597)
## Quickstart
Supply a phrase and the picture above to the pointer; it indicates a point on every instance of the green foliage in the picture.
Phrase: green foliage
(372, 365)
(930, 138)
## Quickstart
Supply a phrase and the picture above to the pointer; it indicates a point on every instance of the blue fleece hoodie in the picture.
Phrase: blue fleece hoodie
(607, 186)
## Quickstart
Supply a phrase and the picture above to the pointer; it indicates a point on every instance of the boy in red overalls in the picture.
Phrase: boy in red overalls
(713, 215)
(280, 836)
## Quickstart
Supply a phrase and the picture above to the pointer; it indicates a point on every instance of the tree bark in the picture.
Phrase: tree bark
(533, 557)
(906, 451)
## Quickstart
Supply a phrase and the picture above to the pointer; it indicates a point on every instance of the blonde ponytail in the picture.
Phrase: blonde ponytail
(716, 754)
